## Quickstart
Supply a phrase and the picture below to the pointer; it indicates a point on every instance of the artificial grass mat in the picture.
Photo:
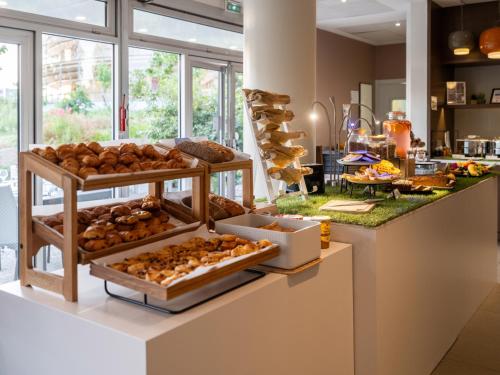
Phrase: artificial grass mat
(383, 211)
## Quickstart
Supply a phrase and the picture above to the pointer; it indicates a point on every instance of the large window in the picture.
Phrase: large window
(84, 11)
(207, 120)
(154, 94)
(77, 82)
(173, 28)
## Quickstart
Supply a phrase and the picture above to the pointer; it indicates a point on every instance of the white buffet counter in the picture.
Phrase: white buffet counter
(419, 278)
(301, 324)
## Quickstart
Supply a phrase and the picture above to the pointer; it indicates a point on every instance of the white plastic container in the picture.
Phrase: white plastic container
(297, 248)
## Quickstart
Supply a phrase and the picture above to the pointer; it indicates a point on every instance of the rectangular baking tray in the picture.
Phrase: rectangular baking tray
(297, 248)
(200, 277)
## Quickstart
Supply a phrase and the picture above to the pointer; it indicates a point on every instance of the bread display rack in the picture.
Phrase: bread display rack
(34, 235)
(240, 162)
(262, 163)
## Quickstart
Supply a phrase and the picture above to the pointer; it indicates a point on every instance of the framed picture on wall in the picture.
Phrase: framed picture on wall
(495, 96)
(455, 93)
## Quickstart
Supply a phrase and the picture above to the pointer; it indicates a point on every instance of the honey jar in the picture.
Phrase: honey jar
(325, 228)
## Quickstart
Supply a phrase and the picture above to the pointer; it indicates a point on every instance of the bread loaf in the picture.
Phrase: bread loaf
(207, 150)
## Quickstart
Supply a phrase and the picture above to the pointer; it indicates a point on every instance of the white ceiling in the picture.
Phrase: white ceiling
(369, 21)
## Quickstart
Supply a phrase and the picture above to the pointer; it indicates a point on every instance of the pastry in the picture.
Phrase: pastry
(95, 245)
(49, 154)
(207, 150)
(95, 147)
(85, 216)
(142, 215)
(151, 152)
(150, 203)
(108, 157)
(121, 210)
(276, 227)
(100, 210)
(127, 220)
(129, 235)
(120, 168)
(65, 152)
(128, 158)
(113, 238)
(59, 228)
(91, 161)
(94, 232)
(51, 221)
(259, 97)
(81, 149)
(106, 169)
(87, 171)
(290, 151)
(146, 166)
(70, 164)
(289, 175)
(175, 261)
(135, 167)
(130, 148)
(233, 208)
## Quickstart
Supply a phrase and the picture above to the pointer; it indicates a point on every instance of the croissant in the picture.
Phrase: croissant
(291, 151)
(265, 98)
(289, 175)
(280, 137)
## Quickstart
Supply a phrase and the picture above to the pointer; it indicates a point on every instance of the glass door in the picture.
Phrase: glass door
(16, 132)
(217, 110)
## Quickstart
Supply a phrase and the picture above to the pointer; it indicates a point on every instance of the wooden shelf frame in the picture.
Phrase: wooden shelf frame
(245, 166)
(33, 237)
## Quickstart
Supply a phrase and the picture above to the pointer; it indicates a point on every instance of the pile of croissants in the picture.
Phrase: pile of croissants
(91, 159)
(102, 227)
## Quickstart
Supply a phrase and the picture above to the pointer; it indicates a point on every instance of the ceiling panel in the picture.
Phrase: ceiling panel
(370, 21)
(336, 9)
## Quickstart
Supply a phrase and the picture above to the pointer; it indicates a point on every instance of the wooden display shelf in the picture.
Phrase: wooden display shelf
(34, 236)
(53, 237)
(245, 165)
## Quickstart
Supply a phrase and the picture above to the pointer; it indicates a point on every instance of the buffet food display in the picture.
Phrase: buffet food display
(89, 159)
(469, 169)
(107, 229)
(279, 156)
(178, 265)
(175, 261)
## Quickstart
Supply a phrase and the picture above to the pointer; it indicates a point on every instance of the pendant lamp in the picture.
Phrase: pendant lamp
(462, 41)
(489, 41)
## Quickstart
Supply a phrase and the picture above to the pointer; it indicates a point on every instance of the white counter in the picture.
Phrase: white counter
(419, 278)
(301, 324)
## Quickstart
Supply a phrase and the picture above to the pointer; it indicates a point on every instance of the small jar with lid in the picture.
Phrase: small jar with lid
(398, 129)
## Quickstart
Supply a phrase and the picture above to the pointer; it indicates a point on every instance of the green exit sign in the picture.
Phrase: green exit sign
(233, 6)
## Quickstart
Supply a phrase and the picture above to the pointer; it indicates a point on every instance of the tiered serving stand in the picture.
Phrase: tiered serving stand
(35, 235)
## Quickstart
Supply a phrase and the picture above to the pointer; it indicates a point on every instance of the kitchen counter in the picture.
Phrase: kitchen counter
(277, 324)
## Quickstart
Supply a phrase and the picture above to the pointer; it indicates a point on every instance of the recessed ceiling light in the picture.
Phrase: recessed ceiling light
(80, 18)
(3, 4)
(142, 30)
(233, 47)
(192, 40)
(344, 1)
(398, 24)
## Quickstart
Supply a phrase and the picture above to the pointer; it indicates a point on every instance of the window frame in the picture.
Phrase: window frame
(187, 47)
(109, 29)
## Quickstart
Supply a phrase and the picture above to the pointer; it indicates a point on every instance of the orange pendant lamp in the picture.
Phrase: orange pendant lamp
(489, 41)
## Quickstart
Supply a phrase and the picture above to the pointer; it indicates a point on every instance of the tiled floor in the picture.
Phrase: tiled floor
(477, 349)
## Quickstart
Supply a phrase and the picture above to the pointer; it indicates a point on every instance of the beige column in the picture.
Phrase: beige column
(280, 55)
